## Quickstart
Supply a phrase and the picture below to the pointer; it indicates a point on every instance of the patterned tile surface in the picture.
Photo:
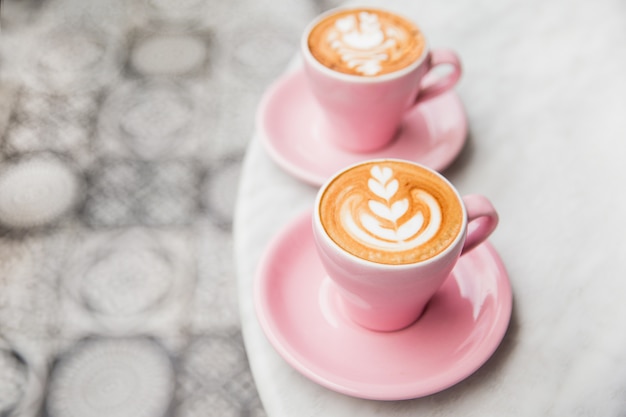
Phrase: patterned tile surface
(123, 125)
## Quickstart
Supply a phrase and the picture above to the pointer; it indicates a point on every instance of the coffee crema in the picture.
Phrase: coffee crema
(391, 212)
(365, 42)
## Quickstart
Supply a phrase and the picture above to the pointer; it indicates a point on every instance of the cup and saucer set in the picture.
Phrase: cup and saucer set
(388, 289)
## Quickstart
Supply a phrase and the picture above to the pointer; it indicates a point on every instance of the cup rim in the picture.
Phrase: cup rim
(358, 79)
(455, 245)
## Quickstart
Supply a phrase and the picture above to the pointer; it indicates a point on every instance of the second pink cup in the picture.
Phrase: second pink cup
(362, 113)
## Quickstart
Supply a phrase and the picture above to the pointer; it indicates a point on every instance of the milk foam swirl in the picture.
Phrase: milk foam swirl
(382, 223)
(361, 42)
(391, 212)
(366, 42)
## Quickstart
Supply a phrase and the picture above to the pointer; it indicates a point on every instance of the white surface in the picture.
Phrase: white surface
(544, 85)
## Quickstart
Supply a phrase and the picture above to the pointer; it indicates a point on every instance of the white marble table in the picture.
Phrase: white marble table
(544, 85)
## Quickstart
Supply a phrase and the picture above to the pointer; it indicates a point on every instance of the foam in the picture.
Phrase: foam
(391, 212)
(366, 42)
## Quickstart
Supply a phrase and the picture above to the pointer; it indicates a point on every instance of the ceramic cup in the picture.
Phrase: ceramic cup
(362, 109)
(389, 232)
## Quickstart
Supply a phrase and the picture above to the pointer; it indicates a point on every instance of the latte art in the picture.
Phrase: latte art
(391, 212)
(365, 42)
(380, 221)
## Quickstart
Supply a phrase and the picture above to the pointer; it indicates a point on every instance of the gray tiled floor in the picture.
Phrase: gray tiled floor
(122, 129)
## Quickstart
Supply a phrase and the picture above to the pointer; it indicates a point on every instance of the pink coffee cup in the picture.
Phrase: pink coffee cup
(363, 113)
(390, 296)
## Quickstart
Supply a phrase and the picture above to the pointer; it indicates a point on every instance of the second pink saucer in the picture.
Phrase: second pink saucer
(301, 314)
(432, 134)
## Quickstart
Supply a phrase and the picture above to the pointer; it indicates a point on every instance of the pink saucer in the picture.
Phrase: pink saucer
(433, 133)
(301, 316)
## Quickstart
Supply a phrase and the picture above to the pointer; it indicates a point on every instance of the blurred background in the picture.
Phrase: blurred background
(123, 124)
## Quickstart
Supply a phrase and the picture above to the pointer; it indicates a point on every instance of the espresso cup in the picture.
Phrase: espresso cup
(389, 232)
(366, 68)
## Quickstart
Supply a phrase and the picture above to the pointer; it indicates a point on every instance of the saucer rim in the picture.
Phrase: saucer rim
(314, 178)
(498, 329)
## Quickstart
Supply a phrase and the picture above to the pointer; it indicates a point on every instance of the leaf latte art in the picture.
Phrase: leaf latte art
(391, 212)
(382, 222)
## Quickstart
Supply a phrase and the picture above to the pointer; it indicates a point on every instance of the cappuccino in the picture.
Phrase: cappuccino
(365, 42)
(391, 212)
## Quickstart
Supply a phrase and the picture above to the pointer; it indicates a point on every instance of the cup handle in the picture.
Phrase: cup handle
(444, 83)
(482, 220)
